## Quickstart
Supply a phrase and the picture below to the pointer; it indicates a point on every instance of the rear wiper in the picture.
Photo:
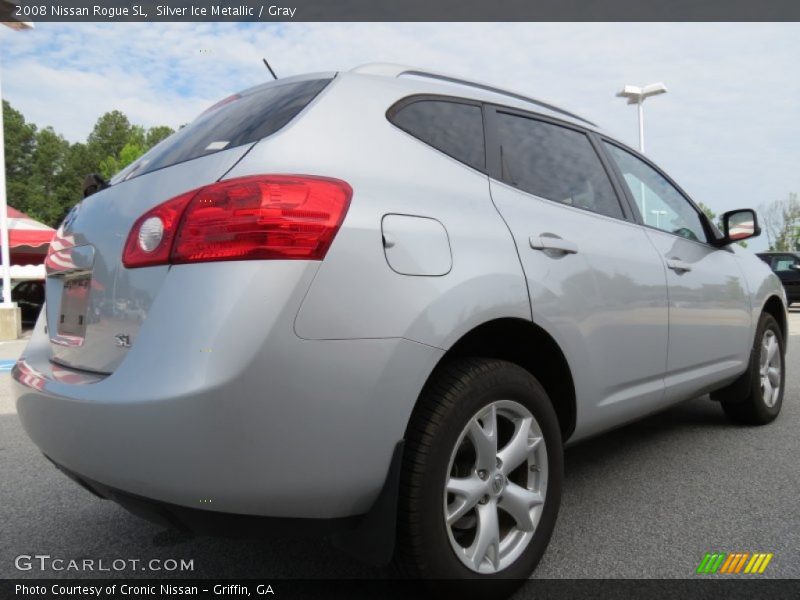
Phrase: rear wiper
(93, 182)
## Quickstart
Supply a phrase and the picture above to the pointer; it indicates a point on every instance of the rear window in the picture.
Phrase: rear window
(240, 119)
(452, 127)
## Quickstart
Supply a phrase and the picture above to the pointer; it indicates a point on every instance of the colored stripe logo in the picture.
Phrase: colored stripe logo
(734, 563)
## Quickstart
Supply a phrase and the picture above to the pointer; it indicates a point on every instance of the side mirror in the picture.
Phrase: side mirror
(738, 225)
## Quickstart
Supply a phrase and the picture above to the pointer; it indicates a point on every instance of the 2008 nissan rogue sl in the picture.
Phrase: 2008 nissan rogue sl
(378, 303)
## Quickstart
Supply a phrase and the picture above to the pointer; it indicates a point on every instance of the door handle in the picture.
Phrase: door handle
(556, 244)
(678, 265)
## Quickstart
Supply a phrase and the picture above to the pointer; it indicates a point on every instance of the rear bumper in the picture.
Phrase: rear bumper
(369, 537)
(210, 522)
(243, 418)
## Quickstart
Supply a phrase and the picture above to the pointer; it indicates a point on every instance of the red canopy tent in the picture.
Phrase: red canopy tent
(27, 238)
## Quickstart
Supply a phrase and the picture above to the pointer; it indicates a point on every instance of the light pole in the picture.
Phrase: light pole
(9, 321)
(637, 95)
(658, 214)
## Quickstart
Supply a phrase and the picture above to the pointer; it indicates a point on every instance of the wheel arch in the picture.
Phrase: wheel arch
(774, 306)
(529, 346)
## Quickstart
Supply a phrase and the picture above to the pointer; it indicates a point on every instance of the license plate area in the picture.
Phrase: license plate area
(74, 307)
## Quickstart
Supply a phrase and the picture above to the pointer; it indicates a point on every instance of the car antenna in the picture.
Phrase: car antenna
(270, 68)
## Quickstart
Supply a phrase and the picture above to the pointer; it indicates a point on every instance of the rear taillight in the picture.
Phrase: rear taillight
(284, 217)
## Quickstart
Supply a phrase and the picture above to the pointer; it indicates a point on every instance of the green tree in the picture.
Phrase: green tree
(45, 173)
(48, 184)
(137, 142)
(20, 142)
(110, 134)
(77, 164)
(113, 164)
(157, 134)
(34, 166)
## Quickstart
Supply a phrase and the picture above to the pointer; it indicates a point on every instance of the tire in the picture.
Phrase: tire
(745, 400)
(446, 418)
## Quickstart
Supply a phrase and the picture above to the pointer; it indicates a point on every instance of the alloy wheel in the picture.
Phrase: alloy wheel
(495, 487)
(770, 368)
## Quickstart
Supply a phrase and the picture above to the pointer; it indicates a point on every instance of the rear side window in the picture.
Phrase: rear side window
(241, 119)
(555, 163)
(454, 128)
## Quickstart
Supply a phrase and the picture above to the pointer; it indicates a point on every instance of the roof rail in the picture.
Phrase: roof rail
(394, 70)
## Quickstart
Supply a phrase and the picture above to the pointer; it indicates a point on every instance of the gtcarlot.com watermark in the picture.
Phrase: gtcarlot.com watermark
(46, 562)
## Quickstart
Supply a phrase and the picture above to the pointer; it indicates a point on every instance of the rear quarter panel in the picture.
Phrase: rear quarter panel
(356, 294)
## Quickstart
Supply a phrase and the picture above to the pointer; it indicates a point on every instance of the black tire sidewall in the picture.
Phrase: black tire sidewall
(508, 382)
(764, 412)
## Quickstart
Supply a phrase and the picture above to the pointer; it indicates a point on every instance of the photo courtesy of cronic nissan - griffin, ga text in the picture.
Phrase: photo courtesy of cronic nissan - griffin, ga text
(375, 305)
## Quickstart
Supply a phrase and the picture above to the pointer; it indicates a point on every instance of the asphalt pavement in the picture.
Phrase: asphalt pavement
(644, 501)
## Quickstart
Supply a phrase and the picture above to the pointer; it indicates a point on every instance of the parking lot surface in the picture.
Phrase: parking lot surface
(644, 501)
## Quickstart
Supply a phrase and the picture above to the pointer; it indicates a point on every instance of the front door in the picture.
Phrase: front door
(709, 307)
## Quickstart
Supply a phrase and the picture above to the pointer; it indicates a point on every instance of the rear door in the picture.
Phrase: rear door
(596, 282)
(709, 307)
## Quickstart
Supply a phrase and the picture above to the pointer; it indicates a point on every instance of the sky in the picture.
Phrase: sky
(727, 130)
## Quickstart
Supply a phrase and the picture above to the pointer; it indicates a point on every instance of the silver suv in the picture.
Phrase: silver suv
(377, 304)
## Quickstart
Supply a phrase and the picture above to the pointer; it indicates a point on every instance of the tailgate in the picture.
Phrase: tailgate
(94, 305)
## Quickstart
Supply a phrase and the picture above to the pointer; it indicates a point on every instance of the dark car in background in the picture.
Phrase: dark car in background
(29, 296)
(786, 266)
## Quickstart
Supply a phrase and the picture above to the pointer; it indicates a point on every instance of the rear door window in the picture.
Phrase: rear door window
(554, 162)
(452, 127)
(240, 119)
